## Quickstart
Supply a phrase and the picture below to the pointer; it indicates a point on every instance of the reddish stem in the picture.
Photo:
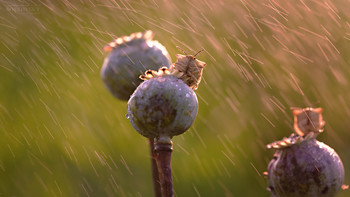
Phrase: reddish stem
(155, 174)
(163, 156)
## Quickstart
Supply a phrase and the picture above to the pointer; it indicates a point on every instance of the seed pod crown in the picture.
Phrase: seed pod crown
(308, 123)
(126, 40)
(308, 120)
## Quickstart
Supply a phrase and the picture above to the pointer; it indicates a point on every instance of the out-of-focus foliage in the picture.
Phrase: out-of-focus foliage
(63, 133)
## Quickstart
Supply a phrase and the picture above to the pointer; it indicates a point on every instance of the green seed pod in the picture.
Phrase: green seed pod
(303, 166)
(129, 57)
(163, 106)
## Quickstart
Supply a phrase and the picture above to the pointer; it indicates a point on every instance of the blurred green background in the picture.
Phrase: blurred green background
(63, 134)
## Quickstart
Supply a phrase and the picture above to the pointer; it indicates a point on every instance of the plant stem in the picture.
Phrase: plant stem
(155, 174)
(163, 156)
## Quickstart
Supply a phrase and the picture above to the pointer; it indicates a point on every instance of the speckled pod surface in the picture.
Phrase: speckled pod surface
(129, 57)
(162, 106)
(305, 169)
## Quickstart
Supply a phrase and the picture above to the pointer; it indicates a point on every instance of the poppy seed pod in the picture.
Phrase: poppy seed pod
(129, 57)
(303, 166)
(163, 106)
